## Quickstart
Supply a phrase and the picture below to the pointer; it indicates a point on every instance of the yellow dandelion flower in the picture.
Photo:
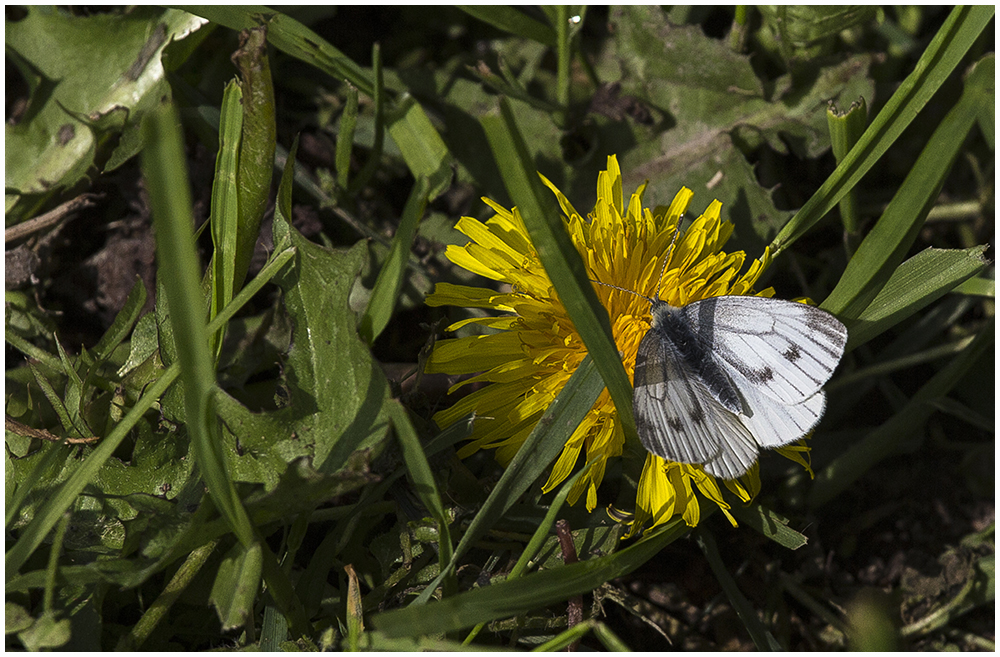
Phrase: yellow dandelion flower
(536, 347)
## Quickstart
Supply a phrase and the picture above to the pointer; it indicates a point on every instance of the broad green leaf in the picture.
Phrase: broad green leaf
(89, 74)
(770, 524)
(336, 391)
(64, 497)
(713, 105)
(234, 590)
(46, 632)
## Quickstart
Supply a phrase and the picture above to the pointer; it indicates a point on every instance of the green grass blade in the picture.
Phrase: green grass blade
(560, 258)
(123, 323)
(538, 451)
(567, 637)
(55, 401)
(887, 243)
(345, 138)
(942, 55)
(762, 639)
(423, 478)
(423, 149)
(273, 631)
(542, 531)
(48, 515)
(534, 591)
(165, 169)
(287, 35)
(513, 20)
(537, 539)
(564, 56)
(225, 204)
(157, 611)
(891, 436)
(31, 351)
(390, 279)
(378, 141)
(915, 284)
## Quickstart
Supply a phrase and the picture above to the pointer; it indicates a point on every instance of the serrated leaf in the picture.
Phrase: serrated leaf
(336, 389)
(89, 67)
(712, 100)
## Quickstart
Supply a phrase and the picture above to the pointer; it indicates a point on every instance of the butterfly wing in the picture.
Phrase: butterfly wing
(774, 424)
(778, 353)
(784, 350)
(678, 418)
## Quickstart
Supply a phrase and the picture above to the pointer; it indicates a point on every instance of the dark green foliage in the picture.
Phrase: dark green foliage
(235, 451)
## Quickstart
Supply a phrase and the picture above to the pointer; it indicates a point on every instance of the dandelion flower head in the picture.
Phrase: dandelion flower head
(534, 347)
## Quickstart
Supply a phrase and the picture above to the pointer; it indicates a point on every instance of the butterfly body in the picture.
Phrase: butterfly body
(672, 327)
(720, 379)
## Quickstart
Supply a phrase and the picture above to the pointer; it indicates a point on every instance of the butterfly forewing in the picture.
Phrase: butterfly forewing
(678, 418)
(719, 379)
(783, 349)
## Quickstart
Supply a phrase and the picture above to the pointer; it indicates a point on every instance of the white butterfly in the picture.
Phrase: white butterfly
(720, 379)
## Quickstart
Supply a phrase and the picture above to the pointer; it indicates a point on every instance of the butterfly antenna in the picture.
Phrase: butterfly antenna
(663, 269)
(666, 258)
(620, 289)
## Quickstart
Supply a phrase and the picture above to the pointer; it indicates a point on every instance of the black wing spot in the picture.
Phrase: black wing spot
(675, 424)
(760, 376)
(792, 354)
(698, 415)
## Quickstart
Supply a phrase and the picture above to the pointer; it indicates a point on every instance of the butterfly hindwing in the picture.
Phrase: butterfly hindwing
(774, 424)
